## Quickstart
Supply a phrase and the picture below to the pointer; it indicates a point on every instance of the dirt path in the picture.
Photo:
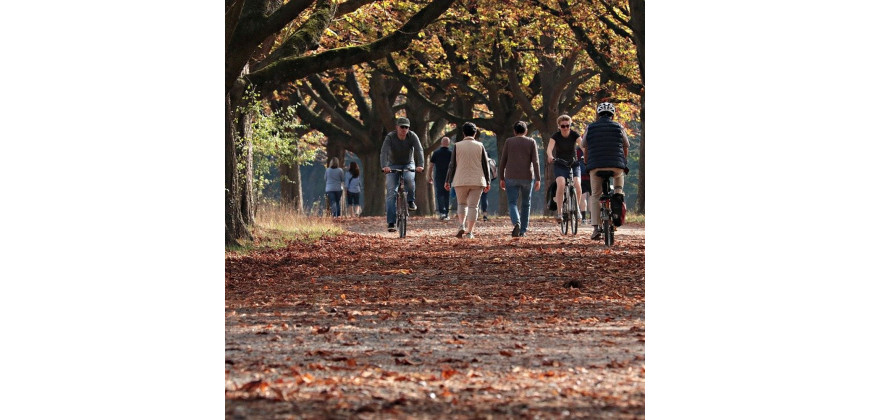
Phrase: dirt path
(365, 325)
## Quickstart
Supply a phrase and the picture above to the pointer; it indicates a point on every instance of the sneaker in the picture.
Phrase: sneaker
(559, 217)
(470, 235)
(412, 206)
(485, 219)
(444, 217)
(522, 234)
(391, 227)
(460, 233)
(516, 231)
(596, 233)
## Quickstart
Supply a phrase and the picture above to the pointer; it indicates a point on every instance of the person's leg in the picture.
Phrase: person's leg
(335, 202)
(462, 204)
(473, 205)
(484, 203)
(442, 197)
(525, 191)
(618, 180)
(410, 186)
(560, 190)
(392, 188)
(594, 205)
(512, 190)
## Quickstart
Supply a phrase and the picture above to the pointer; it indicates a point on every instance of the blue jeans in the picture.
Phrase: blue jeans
(484, 202)
(442, 197)
(519, 190)
(335, 202)
(393, 189)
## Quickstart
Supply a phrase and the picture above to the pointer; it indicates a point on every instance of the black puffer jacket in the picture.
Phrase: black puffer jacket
(604, 145)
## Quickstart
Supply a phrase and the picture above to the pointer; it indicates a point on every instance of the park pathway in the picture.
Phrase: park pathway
(366, 325)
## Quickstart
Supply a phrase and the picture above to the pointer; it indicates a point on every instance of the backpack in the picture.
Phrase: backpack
(617, 206)
(493, 170)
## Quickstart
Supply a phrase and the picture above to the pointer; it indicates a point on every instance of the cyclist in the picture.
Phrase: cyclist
(468, 173)
(563, 144)
(605, 148)
(401, 150)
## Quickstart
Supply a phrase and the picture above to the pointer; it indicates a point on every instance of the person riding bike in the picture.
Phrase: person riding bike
(563, 144)
(605, 148)
(401, 150)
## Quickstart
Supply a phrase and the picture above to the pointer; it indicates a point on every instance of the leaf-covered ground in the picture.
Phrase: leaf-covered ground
(366, 325)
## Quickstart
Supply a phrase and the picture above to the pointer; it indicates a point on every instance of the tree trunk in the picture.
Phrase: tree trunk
(375, 189)
(291, 186)
(247, 151)
(641, 164)
(234, 227)
(637, 22)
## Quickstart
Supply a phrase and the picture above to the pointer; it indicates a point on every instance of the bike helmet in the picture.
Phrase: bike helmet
(606, 107)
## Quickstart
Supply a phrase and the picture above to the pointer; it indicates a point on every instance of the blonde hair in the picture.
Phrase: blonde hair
(333, 163)
(563, 117)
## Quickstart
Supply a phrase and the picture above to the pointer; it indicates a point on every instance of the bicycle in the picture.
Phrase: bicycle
(605, 221)
(402, 210)
(569, 201)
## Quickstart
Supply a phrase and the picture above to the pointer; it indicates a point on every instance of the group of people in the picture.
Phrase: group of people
(603, 146)
(336, 181)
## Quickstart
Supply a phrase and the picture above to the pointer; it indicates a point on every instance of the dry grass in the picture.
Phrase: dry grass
(278, 225)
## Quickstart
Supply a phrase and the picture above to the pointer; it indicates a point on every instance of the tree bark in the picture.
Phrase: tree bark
(637, 22)
(291, 186)
(248, 201)
(234, 227)
(375, 191)
(292, 68)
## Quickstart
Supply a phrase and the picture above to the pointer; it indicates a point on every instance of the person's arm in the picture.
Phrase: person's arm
(536, 166)
(550, 147)
(502, 161)
(451, 169)
(625, 144)
(429, 173)
(484, 163)
(583, 148)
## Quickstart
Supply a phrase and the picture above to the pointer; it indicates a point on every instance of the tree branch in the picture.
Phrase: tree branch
(307, 37)
(292, 68)
(250, 29)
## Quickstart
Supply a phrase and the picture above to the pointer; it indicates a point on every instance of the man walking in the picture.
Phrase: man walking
(517, 168)
(440, 161)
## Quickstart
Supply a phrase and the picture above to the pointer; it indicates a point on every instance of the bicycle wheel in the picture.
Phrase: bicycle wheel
(574, 212)
(566, 214)
(608, 232)
(401, 214)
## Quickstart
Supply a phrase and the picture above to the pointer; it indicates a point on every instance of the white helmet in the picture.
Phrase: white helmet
(606, 107)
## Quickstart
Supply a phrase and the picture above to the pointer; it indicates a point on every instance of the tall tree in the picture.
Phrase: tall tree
(613, 39)
(287, 32)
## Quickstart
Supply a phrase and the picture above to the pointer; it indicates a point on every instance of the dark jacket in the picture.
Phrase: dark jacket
(406, 152)
(604, 145)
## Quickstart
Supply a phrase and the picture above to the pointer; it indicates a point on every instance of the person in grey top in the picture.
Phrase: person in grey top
(517, 167)
(334, 177)
(401, 150)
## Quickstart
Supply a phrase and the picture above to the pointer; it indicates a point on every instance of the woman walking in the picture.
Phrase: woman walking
(469, 175)
(353, 189)
(334, 177)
